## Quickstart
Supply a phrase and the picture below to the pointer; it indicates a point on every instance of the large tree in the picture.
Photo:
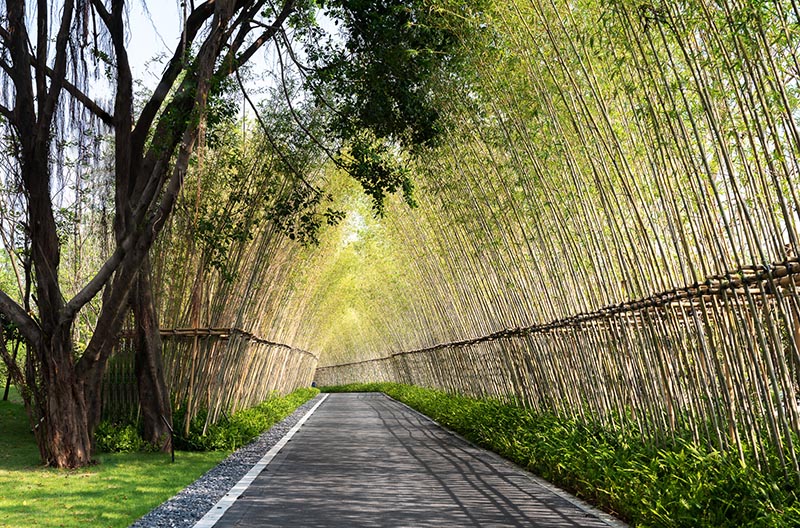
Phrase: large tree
(372, 76)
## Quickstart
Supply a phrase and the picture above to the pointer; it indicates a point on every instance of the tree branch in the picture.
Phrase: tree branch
(113, 311)
(17, 315)
(40, 60)
(245, 18)
(85, 100)
(94, 286)
(105, 16)
(268, 34)
(175, 66)
(6, 112)
(59, 73)
(73, 90)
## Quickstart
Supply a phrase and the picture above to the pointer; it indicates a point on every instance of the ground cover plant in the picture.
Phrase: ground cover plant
(227, 434)
(236, 430)
(677, 483)
(122, 486)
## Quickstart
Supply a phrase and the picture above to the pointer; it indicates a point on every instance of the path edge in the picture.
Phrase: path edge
(218, 510)
(581, 504)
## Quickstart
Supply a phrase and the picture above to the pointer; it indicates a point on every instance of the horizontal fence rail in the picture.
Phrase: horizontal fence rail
(221, 333)
(717, 361)
(211, 370)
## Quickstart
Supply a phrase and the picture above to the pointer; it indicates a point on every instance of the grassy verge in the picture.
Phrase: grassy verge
(675, 484)
(114, 493)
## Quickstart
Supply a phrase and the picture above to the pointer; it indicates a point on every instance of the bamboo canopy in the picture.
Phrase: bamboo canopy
(608, 231)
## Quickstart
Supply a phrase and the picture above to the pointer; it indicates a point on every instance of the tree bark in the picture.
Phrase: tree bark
(62, 433)
(154, 397)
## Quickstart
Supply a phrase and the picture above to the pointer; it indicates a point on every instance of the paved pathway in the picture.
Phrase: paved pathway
(367, 460)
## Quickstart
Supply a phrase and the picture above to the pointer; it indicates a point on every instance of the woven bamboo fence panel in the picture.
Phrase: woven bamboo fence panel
(718, 362)
(217, 370)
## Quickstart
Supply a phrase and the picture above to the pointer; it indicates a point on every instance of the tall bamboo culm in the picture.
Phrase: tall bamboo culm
(227, 288)
(610, 231)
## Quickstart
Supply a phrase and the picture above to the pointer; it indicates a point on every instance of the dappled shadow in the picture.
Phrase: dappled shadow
(366, 460)
(121, 488)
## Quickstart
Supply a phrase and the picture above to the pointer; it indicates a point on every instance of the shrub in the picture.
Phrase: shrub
(228, 434)
(677, 483)
(118, 438)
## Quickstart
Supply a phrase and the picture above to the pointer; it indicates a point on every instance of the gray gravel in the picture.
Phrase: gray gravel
(190, 504)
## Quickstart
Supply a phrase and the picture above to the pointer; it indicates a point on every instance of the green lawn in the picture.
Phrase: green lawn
(120, 489)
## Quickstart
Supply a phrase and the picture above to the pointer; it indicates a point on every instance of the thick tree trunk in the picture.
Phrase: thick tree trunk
(154, 400)
(63, 433)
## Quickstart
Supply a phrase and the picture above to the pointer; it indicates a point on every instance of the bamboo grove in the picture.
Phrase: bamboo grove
(608, 231)
(215, 280)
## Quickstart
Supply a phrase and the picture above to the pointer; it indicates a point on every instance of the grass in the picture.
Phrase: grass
(675, 484)
(118, 490)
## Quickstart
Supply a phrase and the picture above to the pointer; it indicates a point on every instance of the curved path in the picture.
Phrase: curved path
(368, 460)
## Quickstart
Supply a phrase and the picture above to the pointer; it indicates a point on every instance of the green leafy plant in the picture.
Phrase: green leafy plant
(118, 438)
(678, 483)
(227, 434)
(234, 431)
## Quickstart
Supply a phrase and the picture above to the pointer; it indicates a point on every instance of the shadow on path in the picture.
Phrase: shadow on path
(367, 460)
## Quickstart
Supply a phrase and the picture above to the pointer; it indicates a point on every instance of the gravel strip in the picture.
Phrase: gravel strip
(190, 504)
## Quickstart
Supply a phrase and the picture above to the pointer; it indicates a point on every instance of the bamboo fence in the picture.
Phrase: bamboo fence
(216, 370)
(719, 361)
(614, 216)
